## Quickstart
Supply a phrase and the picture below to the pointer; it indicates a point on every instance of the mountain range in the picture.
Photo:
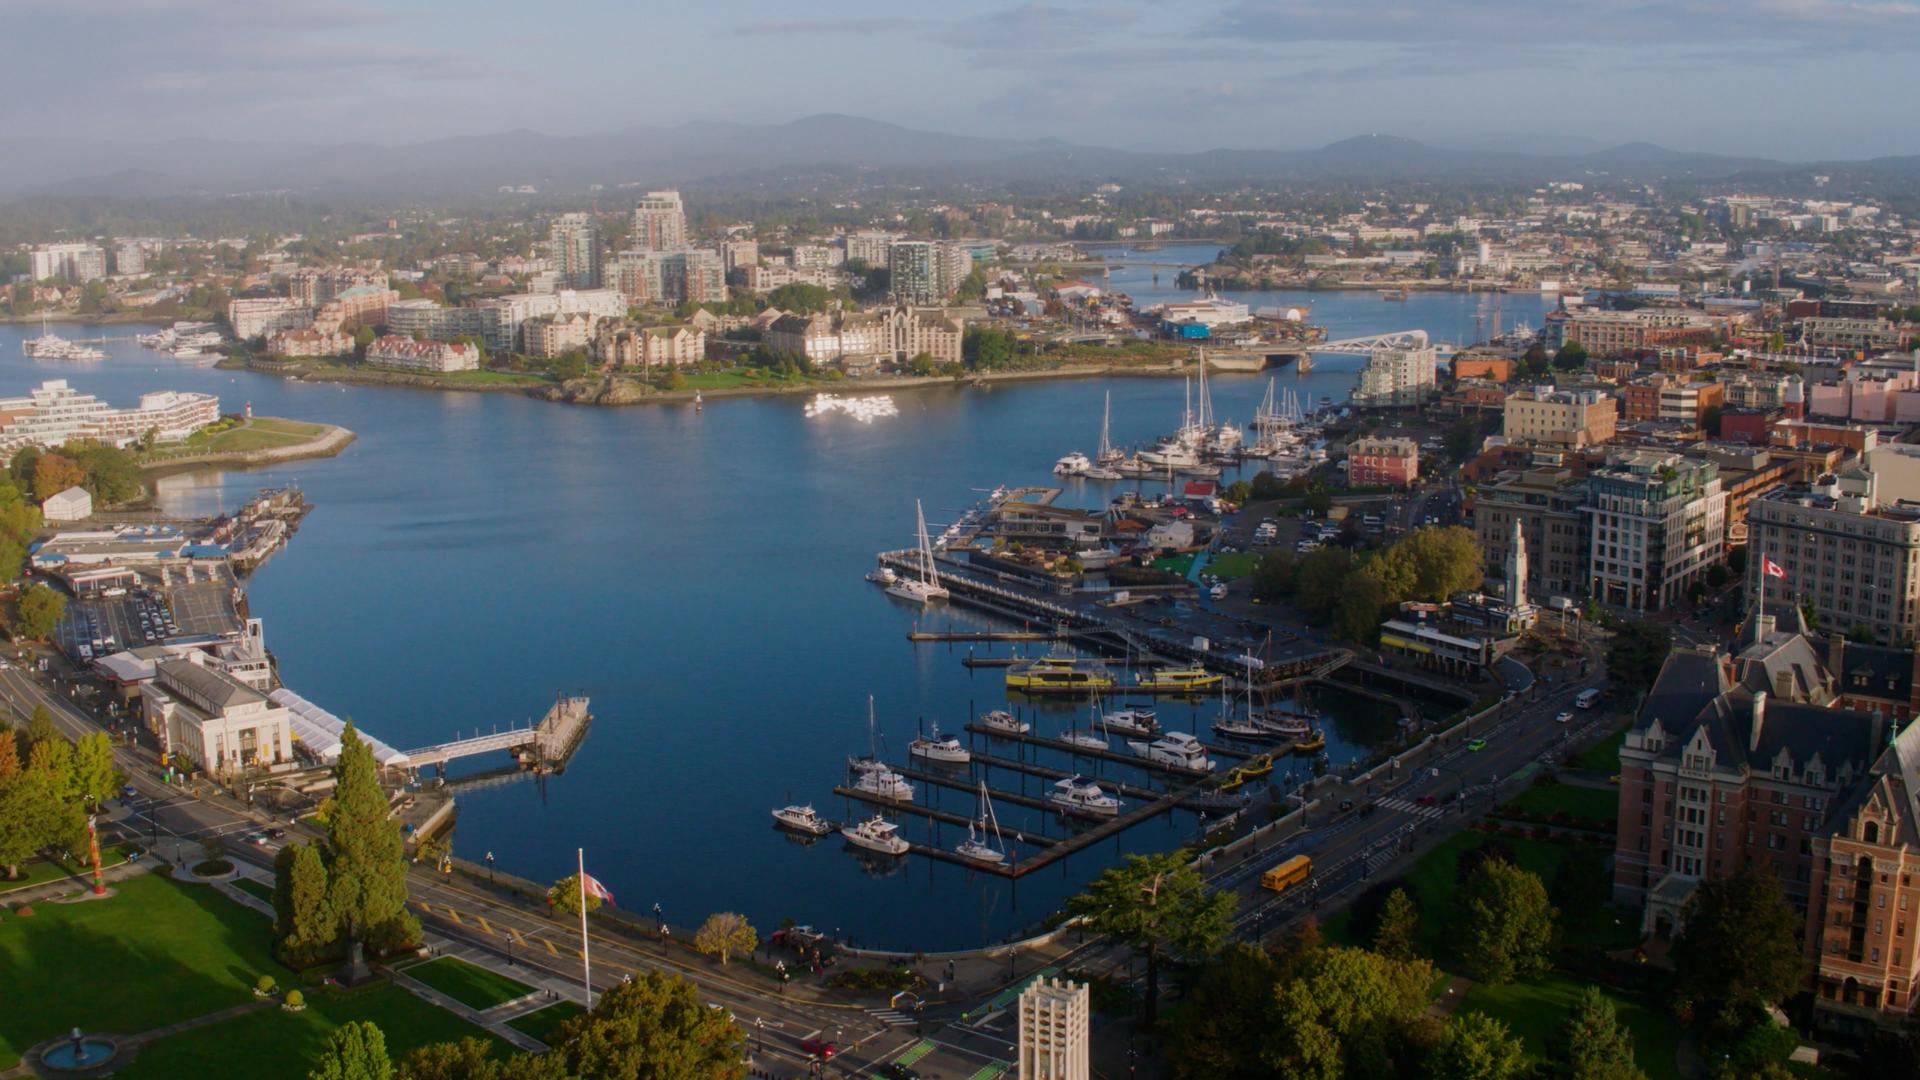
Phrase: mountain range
(817, 147)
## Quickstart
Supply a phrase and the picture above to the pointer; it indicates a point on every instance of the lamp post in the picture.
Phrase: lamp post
(489, 867)
(659, 923)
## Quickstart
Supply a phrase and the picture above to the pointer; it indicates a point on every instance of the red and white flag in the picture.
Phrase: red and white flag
(1771, 568)
(592, 887)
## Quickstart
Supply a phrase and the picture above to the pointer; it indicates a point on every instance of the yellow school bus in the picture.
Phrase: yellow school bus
(1287, 874)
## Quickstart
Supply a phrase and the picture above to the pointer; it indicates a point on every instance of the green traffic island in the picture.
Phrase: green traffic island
(476, 987)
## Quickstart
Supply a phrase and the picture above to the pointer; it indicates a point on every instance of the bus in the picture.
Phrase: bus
(1588, 697)
(1287, 874)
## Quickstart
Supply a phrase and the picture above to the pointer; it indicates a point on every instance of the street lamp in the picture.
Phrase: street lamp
(489, 867)
(659, 923)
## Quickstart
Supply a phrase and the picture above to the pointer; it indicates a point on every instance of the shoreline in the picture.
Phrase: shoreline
(329, 443)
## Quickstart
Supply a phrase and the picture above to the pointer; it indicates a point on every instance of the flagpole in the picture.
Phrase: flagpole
(586, 964)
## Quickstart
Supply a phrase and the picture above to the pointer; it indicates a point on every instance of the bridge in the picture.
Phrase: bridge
(1398, 339)
(547, 743)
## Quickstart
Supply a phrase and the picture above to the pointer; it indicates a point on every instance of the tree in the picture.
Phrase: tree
(1273, 575)
(1571, 357)
(1509, 929)
(1738, 949)
(1536, 360)
(1345, 1013)
(41, 609)
(366, 864)
(1462, 437)
(1320, 582)
(307, 927)
(95, 776)
(1475, 1046)
(54, 474)
(800, 299)
(1638, 650)
(563, 896)
(725, 933)
(653, 1028)
(19, 521)
(1397, 937)
(1159, 906)
(1222, 1019)
(1592, 1044)
(357, 1050)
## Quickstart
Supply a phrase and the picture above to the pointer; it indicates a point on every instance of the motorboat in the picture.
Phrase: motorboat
(1170, 453)
(885, 784)
(1177, 749)
(1133, 466)
(1086, 737)
(1003, 721)
(1286, 723)
(1133, 721)
(933, 747)
(802, 819)
(1239, 727)
(924, 588)
(1191, 677)
(876, 834)
(1059, 675)
(1205, 472)
(983, 843)
(1073, 464)
(1316, 740)
(1076, 796)
(1101, 472)
(882, 575)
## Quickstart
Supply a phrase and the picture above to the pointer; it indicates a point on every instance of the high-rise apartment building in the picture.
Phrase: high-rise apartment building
(924, 273)
(1547, 505)
(870, 247)
(1403, 376)
(1656, 521)
(575, 240)
(740, 254)
(1054, 1031)
(1854, 560)
(68, 262)
(659, 222)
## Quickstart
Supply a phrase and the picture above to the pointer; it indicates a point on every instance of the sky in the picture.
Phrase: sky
(1794, 79)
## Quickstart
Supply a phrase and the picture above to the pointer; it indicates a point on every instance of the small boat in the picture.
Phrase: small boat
(1059, 675)
(1177, 749)
(1205, 472)
(885, 784)
(1134, 721)
(934, 748)
(1076, 796)
(926, 588)
(1101, 472)
(1234, 727)
(882, 575)
(1133, 466)
(1191, 677)
(802, 819)
(1286, 723)
(1072, 465)
(876, 834)
(1002, 720)
(1090, 739)
(976, 845)
(1317, 740)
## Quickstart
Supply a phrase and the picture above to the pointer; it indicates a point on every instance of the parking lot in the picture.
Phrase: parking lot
(148, 613)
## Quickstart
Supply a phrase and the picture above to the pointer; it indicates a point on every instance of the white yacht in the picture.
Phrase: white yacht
(1170, 452)
(983, 843)
(1134, 721)
(1073, 464)
(1002, 720)
(884, 783)
(1088, 738)
(925, 588)
(802, 819)
(1077, 796)
(1134, 466)
(933, 747)
(882, 575)
(876, 834)
(1175, 748)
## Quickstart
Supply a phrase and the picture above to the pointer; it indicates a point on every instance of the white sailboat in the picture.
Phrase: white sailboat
(926, 588)
(871, 775)
(1093, 737)
(977, 846)
(1109, 455)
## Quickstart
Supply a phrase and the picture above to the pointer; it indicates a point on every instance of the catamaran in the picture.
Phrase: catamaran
(876, 834)
(926, 588)
(977, 845)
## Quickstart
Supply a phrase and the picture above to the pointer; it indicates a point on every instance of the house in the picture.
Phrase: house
(73, 504)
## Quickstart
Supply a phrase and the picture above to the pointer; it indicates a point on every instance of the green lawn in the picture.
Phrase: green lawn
(1237, 565)
(254, 888)
(1583, 803)
(541, 1025)
(1534, 1009)
(745, 378)
(260, 433)
(469, 984)
(505, 378)
(1431, 884)
(41, 871)
(1603, 756)
(1174, 564)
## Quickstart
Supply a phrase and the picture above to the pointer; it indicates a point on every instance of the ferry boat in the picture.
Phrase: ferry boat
(1191, 677)
(947, 750)
(1073, 464)
(1002, 720)
(1176, 748)
(802, 819)
(1059, 675)
(925, 588)
(876, 834)
(1076, 796)
(1134, 721)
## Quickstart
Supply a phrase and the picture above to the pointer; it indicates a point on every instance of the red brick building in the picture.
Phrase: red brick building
(1394, 462)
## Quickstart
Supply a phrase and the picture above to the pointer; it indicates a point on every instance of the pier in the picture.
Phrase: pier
(544, 746)
(942, 816)
(1087, 751)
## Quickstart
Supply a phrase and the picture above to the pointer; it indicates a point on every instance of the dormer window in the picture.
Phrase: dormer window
(1871, 832)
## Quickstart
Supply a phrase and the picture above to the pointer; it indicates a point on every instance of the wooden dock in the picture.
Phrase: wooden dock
(1110, 755)
(929, 812)
(986, 635)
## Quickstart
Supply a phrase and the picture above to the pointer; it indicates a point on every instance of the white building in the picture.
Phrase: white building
(1656, 522)
(253, 318)
(1055, 1019)
(73, 504)
(870, 246)
(1398, 377)
(55, 412)
(68, 262)
(660, 222)
(574, 241)
(221, 724)
(435, 357)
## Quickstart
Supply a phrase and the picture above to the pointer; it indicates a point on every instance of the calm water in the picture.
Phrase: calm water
(698, 574)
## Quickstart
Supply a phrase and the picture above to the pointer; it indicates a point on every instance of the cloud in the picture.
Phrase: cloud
(834, 27)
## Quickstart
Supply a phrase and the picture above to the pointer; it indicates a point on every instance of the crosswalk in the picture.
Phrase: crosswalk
(1379, 860)
(1405, 806)
(891, 1017)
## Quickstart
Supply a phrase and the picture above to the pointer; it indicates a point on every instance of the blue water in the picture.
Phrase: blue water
(697, 574)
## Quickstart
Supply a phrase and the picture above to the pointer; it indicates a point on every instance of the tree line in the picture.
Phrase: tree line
(48, 786)
(1352, 591)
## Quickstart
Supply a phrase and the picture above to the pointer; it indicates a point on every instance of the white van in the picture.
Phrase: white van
(1587, 698)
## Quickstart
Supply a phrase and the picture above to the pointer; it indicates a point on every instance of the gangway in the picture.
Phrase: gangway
(545, 744)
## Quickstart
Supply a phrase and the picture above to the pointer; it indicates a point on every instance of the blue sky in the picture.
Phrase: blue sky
(1784, 78)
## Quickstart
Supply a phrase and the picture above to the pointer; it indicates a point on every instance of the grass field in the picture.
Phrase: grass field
(1432, 885)
(41, 871)
(468, 984)
(1533, 1010)
(1237, 565)
(1584, 803)
(1603, 756)
(1174, 564)
(254, 888)
(541, 1025)
(746, 379)
(259, 433)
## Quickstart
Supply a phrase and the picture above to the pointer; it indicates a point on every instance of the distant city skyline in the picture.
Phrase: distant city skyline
(1788, 79)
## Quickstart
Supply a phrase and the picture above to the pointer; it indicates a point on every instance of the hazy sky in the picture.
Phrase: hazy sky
(1786, 78)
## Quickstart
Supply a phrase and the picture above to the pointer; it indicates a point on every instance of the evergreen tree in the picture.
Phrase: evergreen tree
(1592, 1044)
(1158, 906)
(1474, 1046)
(366, 870)
(1397, 937)
(655, 1027)
(302, 919)
(1216, 1030)
(357, 1050)
(1509, 923)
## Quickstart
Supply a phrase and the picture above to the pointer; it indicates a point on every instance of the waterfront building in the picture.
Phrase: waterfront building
(497, 321)
(1571, 418)
(659, 222)
(574, 240)
(626, 345)
(258, 317)
(309, 342)
(78, 263)
(1846, 554)
(861, 342)
(1055, 1030)
(1400, 376)
(925, 273)
(314, 287)
(669, 277)
(55, 413)
(1547, 505)
(1657, 520)
(130, 258)
(428, 319)
(556, 335)
(352, 308)
(1393, 462)
(436, 357)
(221, 724)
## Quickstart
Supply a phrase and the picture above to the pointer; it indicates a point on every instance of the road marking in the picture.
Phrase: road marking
(549, 944)
(516, 936)
(455, 916)
(425, 908)
(484, 927)
(915, 1052)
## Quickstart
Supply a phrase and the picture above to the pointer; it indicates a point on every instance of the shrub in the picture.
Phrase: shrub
(24, 911)
(295, 1001)
(870, 979)
(213, 868)
(263, 986)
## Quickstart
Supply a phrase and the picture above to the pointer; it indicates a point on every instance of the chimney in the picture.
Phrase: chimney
(1762, 626)
(1759, 720)
(1783, 684)
(1836, 654)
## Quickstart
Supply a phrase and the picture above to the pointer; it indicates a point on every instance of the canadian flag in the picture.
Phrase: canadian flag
(592, 887)
(1771, 568)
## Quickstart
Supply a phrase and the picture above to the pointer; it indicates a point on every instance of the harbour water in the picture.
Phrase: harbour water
(698, 574)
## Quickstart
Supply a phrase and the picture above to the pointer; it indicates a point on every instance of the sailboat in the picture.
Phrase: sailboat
(1108, 455)
(926, 588)
(977, 845)
(873, 776)
(1093, 737)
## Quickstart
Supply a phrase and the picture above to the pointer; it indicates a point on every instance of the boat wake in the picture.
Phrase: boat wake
(864, 409)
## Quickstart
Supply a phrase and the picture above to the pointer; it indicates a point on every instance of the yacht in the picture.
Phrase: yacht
(802, 819)
(1002, 720)
(882, 575)
(1175, 748)
(1191, 677)
(925, 588)
(876, 834)
(1170, 452)
(1205, 472)
(934, 748)
(1238, 727)
(1059, 675)
(51, 346)
(1133, 466)
(1134, 721)
(1286, 722)
(1109, 454)
(1086, 737)
(884, 783)
(1076, 796)
(1073, 464)
(1101, 472)
(983, 843)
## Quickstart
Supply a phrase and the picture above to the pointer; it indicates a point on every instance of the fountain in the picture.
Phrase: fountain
(80, 1053)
